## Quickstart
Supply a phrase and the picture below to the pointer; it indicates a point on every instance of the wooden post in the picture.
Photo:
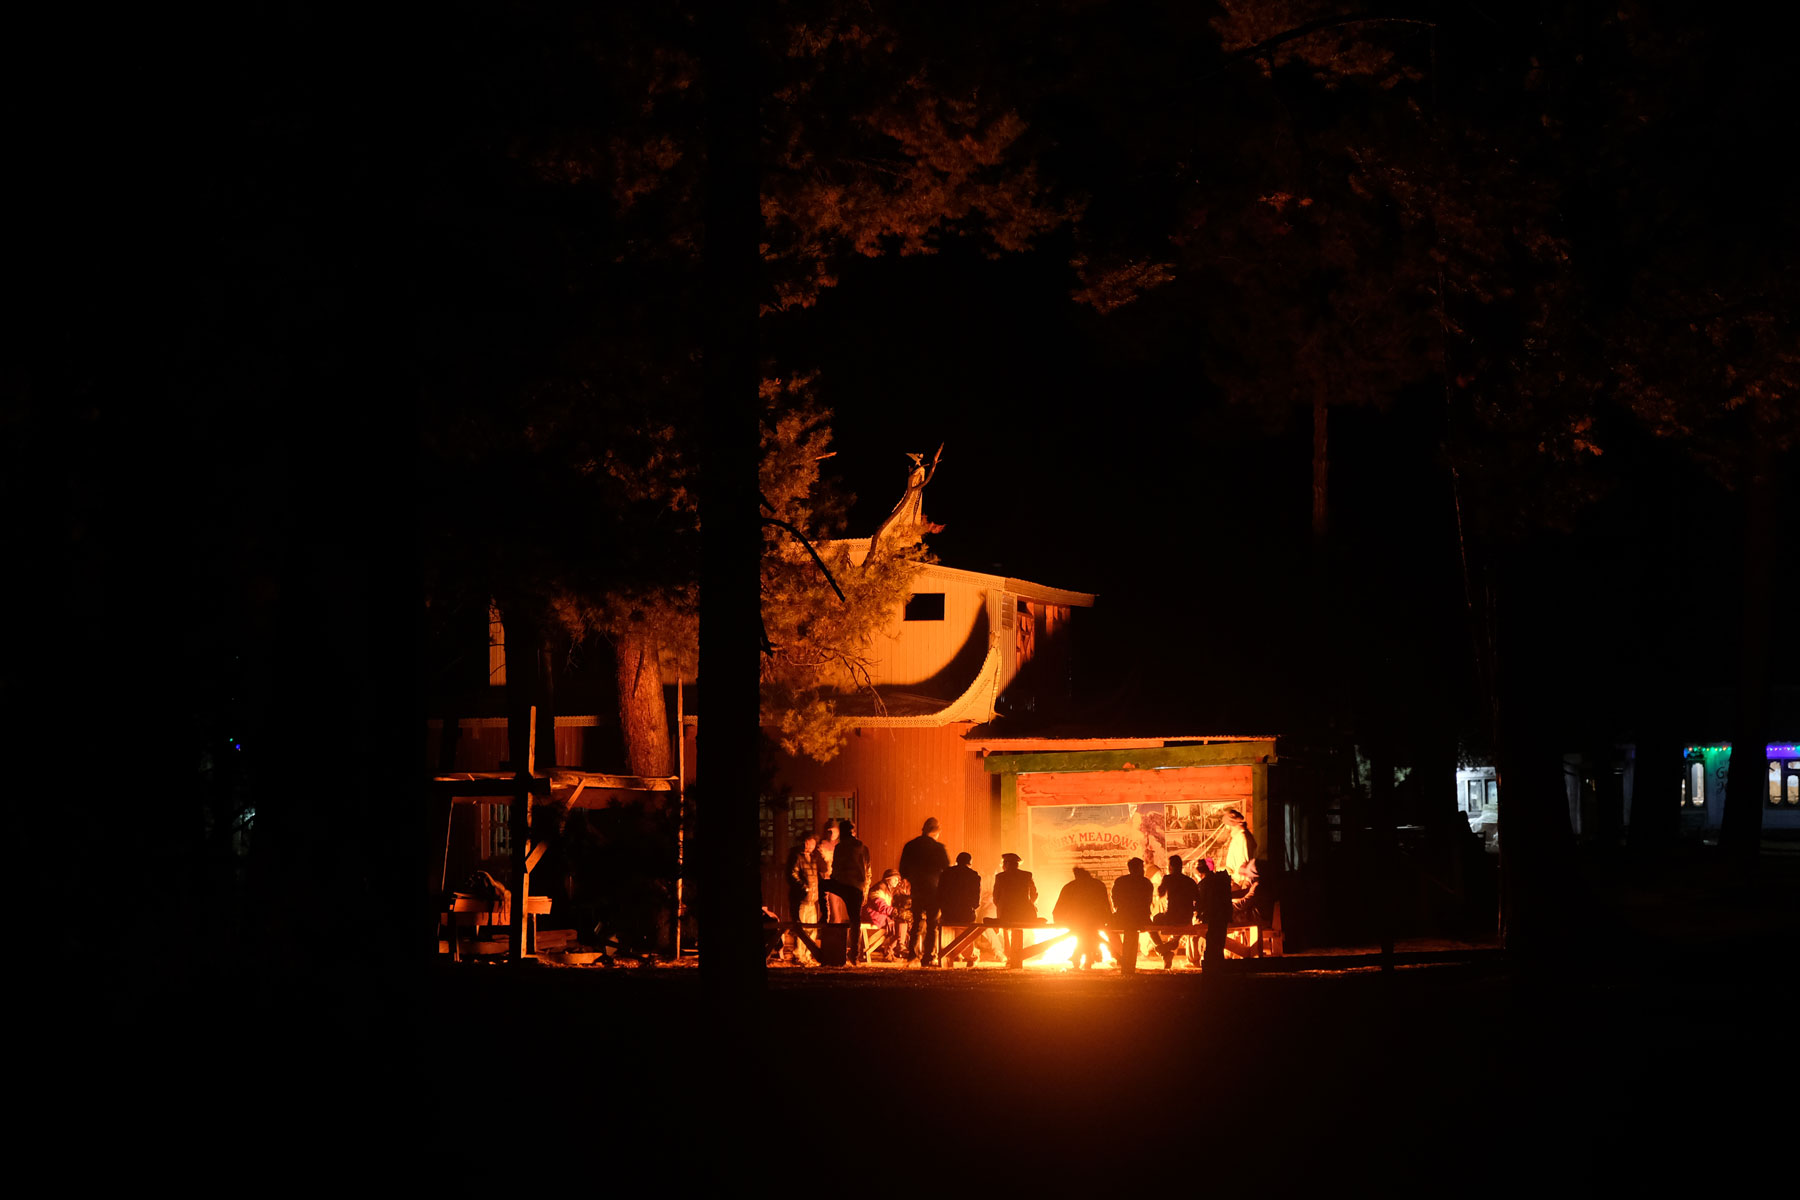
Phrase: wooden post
(680, 812)
(523, 735)
(1009, 813)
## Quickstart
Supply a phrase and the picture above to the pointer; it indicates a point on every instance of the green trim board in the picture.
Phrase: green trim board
(1213, 755)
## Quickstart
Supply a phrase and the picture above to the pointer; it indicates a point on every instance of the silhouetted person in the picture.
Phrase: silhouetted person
(1082, 907)
(1015, 903)
(831, 906)
(922, 861)
(1248, 905)
(1215, 912)
(1131, 896)
(958, 896)
(850, 881)
(1183, 897)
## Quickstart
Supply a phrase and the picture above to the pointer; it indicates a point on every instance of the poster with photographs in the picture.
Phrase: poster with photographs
(1102, 837)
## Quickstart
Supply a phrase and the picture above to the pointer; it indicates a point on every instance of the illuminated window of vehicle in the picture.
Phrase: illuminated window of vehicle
(1693, 786)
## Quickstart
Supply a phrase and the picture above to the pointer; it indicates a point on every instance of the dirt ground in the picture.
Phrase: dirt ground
(1456, 1071)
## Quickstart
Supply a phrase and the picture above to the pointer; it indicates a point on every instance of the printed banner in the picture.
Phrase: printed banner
(1102, 837)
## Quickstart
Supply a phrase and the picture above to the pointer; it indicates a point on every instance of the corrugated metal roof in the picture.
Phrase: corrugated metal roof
(859, 547)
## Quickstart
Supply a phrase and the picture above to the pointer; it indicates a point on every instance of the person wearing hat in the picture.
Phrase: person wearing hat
(958, 896)
(1015, 901)
(1131, 895)
(922, 861)
(878, 910)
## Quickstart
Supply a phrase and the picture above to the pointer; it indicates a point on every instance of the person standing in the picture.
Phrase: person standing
(958, 896)
(831, 907)
(922, 862)
(1082, 908)
(1131, 896)
(1015, 903)
(803, 892)
(850, 880)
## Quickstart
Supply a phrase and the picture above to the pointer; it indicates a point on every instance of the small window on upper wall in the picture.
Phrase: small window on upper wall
(925, 606)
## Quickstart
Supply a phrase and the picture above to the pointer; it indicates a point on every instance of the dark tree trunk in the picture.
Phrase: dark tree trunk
(1381, 818)
(643, 714)
(1655, 783)
(546, 706)
(725, 791)
(1746, 788)
(1321, 463)
(1538, 886)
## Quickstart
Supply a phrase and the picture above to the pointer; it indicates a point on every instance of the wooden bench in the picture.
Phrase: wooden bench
(472, 913)
(1241, 941)
(1251, 941)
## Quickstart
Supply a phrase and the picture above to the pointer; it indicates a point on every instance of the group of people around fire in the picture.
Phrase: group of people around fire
(830, 878)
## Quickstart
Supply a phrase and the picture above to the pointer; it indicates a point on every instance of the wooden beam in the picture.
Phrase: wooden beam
(1259, 809)
(1218, 754)
(1011, 828)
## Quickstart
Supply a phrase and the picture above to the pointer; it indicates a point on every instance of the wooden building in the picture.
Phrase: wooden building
(930, 740)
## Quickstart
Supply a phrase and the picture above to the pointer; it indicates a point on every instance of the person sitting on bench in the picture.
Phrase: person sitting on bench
(1131, 894)
(958, 896)
(1183, 898)
(878, 912)
(1083, 908)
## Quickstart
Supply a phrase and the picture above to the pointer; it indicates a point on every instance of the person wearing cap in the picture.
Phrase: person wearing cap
(1131, 896)
(878, 910)
(1015, 903)
(922, 862)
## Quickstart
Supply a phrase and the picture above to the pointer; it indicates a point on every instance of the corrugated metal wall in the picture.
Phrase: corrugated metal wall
(923, 648)
(900, 777)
